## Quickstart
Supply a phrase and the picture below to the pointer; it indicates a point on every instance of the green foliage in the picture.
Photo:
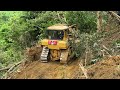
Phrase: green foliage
(11, 30)
(118, 41)
(90, 43)
(86, 20)
(21, 29)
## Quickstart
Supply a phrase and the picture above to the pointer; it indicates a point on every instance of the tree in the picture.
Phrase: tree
(86, 20)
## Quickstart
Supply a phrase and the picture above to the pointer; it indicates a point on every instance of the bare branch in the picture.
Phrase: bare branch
(115, 15)
(84, 70)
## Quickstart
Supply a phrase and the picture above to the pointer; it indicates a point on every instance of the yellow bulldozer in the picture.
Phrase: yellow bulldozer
(57, 44)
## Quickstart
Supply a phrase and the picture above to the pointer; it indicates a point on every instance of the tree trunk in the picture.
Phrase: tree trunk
(115, 15)
(99, 21)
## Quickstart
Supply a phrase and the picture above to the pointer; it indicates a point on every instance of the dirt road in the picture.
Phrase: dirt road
(50, 70)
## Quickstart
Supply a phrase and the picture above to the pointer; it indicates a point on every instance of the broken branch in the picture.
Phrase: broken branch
(3, 69)
(84, 70)
(115, 15)
(11, 68)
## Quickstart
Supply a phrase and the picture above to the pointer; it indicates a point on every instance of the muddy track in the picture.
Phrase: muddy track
(50, 70)
(108, 68)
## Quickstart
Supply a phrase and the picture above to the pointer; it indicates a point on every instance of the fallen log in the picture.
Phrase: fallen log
(115, 15)
(84, 70)
(4, 69)
(10, 69)
(105, 48)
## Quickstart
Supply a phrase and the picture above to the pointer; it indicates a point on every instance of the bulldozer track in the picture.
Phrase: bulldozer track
(44, 55)
(64, 57)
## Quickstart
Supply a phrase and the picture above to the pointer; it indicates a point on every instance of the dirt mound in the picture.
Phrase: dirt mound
(106, 69)
(50, 70)
(33, 53)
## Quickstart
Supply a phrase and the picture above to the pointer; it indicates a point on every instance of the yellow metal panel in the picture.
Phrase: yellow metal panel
(63, 45)
(53, 46)
(60, 44)
(44, 42)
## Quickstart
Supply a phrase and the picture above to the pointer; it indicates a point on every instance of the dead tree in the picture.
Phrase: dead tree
(99, 21)
(114, 15)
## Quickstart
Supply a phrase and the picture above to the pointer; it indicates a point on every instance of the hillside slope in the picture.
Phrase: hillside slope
(108, 68)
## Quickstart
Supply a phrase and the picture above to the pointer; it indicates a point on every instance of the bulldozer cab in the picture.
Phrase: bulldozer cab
(57, 32)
